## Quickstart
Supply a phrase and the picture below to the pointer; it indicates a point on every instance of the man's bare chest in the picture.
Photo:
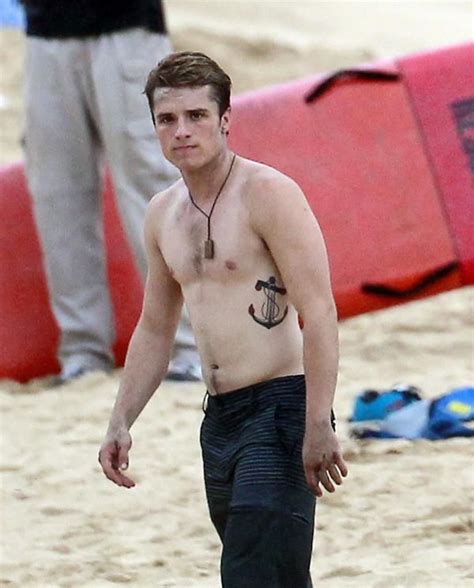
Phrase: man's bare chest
(237, 249)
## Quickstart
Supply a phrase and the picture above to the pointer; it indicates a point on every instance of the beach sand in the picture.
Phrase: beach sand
(404, 516)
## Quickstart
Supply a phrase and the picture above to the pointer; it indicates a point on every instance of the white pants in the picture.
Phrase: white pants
(84, 104)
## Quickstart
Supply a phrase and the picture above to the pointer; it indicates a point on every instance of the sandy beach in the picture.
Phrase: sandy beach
(403, 519)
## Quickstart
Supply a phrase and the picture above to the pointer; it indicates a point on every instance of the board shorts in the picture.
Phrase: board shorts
(258, 498)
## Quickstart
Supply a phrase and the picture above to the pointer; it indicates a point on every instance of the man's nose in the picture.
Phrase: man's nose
(182, 129)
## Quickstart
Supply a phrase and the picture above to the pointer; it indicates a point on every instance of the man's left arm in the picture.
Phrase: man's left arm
(282, 217)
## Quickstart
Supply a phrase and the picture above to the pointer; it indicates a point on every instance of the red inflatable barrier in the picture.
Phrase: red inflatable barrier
(379, 153)
(441, 88)
(28, 331)
(385, 156)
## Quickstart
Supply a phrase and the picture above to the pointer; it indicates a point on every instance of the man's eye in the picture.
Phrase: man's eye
(165, 120)
(196, 115)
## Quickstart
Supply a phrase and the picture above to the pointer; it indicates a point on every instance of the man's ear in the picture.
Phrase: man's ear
(225, 122)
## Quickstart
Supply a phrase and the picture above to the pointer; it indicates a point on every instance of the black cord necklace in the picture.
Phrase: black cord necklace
(209, 243)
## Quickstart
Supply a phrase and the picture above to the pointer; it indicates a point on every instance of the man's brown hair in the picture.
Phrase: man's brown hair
(189, 69)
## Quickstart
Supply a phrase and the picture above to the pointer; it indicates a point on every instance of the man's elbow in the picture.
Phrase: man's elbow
(154, 325)
(319, 311)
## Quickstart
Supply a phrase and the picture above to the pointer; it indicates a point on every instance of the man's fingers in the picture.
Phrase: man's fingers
(106, 460)
(324, 470)
(312, 481)
(325, 480)
(335, 474)
(116, 476)
(341, 464)
(110, 472)
(123, 458)
(325, 474)
(108, 455)
(128, 482)
(119, 479)
(113, 476)
(125, 481)
(110, 459)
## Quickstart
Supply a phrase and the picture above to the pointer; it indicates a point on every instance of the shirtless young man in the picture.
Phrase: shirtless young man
(267, 438)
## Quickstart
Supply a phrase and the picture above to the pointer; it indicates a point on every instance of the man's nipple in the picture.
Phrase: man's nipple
(231, 265)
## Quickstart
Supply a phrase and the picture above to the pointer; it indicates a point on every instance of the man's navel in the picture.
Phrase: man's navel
(213, 377)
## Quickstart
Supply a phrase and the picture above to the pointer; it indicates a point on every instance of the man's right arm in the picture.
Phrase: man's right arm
(147, 357)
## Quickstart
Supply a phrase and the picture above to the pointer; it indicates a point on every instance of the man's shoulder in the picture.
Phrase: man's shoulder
(258, 171)
(270, 195)
(263, 181)
(162, 202)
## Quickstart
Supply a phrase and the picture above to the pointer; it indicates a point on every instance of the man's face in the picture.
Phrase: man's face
(188, 126)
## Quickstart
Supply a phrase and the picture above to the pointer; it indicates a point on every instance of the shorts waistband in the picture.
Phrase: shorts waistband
(253, 393)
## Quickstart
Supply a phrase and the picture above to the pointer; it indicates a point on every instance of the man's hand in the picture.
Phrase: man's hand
(322, 459)
(113, 457)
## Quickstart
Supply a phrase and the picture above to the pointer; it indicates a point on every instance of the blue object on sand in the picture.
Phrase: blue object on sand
(459, 402)
(373, 405)
(442, 418)
(11, 14)
(450, 413)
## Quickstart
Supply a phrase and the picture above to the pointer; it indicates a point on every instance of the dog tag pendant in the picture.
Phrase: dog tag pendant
(209, 249)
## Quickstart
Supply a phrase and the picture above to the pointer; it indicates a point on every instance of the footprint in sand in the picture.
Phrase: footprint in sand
(348, 571)
(465, 525)
(5, 469)
(119, 578)
(53, 511)
(61, 548)
(20, 495)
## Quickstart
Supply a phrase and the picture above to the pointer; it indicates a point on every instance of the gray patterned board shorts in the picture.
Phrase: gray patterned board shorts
(259, 501)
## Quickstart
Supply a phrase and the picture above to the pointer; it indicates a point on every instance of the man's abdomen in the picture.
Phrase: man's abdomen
(237, 351)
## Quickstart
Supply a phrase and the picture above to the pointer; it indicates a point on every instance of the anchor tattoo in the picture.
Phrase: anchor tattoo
(270, 309)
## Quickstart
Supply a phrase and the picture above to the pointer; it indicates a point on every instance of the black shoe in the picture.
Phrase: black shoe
(67, 376)
(188, 374)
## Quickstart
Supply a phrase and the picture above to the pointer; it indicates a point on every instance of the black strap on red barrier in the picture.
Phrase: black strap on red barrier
(348, 74)
(428, 280)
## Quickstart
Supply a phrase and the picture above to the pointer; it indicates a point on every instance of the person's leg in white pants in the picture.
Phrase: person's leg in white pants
(63, 170)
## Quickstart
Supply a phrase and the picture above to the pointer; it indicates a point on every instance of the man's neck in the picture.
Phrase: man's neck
(205, 182)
